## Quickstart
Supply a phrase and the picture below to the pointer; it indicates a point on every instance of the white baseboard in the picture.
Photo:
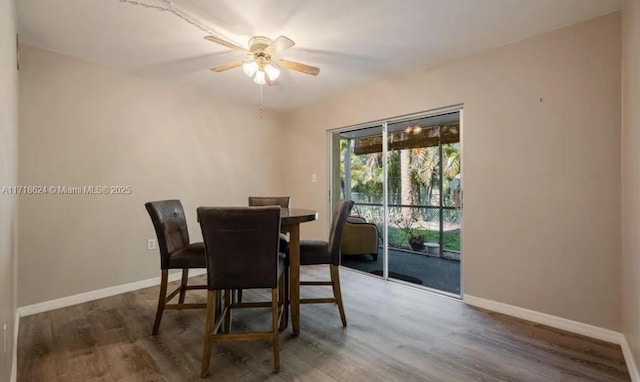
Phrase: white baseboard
(547, 319)
(100, 293)
(629, 360)
(563, 324)
(14, 362)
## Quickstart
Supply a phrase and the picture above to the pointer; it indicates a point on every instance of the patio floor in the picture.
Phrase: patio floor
(434, 272)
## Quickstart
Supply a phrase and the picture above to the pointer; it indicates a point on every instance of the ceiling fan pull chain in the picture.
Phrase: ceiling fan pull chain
(261, 109)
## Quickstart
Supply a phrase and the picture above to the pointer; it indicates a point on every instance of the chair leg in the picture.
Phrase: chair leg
(337, 293)
(227, 317)
(211, 313)
(282, 297)
(285, 300)
(275, 331)
(161, 301)
(183, 285)
(287, 291)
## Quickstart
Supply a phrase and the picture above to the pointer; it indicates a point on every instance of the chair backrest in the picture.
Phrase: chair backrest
(337, 228)
(241, 244)
(171, 227)
(282, 201)
(356, 219)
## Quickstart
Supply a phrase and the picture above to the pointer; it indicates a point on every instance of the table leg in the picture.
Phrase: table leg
(294, 269)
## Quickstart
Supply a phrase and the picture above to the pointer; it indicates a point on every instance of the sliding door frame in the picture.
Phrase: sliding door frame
(384, 123)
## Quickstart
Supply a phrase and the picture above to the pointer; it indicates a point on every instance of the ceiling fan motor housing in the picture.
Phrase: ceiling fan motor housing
(258, 44)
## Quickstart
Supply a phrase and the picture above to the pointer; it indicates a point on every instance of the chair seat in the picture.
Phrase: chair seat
(191, 256)
(314, 252)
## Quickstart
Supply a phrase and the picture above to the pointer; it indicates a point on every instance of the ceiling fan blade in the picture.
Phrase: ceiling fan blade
(225, 43)
(231, 65)
(307, 69)
(279, 45)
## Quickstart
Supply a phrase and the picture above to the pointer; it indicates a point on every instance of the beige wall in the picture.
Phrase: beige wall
(85, 124)
(631, 174)
(8, 177)
(542, 179)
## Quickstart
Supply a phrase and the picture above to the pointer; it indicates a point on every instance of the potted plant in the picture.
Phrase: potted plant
(416, 242)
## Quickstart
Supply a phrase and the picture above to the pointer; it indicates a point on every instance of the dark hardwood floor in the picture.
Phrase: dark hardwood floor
(395, 333)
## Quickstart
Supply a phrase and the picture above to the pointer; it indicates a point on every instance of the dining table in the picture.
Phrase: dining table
(290, 220)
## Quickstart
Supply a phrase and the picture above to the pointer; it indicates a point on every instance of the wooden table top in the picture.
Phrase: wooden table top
(297, 215)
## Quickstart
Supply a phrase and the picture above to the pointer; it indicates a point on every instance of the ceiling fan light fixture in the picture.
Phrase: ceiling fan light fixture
(250, 68)
(259, 78)
(272, 72)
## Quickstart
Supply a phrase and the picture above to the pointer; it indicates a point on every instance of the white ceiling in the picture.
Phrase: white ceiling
(353, 41)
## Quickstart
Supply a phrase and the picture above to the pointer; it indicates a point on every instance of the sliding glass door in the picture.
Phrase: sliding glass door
(405, 177)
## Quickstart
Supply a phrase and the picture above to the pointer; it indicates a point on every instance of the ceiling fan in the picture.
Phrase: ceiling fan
(263, 59)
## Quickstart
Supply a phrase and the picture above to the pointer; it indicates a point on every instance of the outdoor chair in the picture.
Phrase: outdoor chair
(359, 238)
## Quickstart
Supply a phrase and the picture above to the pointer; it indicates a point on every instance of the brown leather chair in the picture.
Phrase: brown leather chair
(322, 252)
(176, 252)
(360, 238)
(283, 202)
(241, 245)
